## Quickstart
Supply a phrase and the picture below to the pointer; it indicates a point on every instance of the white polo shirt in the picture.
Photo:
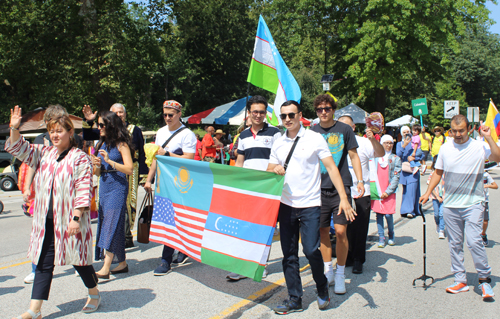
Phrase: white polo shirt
(365, 152)
(303, 176)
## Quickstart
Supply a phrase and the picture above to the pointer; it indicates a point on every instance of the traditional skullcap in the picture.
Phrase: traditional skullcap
(405, 128)
(386, 138)
(172, 104)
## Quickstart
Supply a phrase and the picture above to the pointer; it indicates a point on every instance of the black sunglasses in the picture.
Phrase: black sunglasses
(101, 125)
(290, 115)
(326, 109)
(169, 115)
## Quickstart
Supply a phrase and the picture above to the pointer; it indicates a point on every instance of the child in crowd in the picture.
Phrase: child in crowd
(437, 197)
(488, 183)
(415, 144)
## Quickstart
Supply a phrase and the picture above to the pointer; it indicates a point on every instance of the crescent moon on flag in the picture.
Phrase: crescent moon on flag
(216, 223)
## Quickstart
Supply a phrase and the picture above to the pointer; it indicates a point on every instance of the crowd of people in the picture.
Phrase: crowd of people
(333, 180)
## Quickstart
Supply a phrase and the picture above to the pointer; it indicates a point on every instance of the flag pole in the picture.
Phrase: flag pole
(248, 93)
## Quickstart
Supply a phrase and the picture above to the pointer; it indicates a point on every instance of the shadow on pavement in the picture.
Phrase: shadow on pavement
(5, 278)
(10, 290)
(112, 301)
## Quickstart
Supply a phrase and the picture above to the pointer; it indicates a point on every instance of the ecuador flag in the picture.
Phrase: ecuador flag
(222, 216)
(493, 121)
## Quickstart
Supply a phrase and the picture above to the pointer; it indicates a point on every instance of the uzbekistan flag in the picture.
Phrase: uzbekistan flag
(220, 215)
(269, 72)
(493, 121)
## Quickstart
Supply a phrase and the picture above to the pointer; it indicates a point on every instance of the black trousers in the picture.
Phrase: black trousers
(45, 268)
(357, 231)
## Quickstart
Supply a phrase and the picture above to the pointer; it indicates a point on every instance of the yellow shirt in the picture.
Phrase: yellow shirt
(425, 143)
(436, 145)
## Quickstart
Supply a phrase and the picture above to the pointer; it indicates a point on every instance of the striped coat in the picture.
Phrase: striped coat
(71, 181)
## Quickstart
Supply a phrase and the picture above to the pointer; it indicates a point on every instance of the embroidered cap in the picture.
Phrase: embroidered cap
(172, 104)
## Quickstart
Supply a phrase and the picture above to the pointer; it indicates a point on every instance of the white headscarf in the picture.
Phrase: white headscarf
(384, 161)
(404, 128)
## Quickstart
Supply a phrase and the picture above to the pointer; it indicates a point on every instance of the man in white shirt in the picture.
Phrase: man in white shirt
(357, 231)
(174, 140)
(462, 162)
(300, 208)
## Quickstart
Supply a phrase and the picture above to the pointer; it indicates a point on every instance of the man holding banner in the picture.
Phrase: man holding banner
(175, 140)
(300, 208)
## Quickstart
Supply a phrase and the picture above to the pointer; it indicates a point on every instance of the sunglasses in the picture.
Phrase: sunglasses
(255, 113)
(325, 109)
(169, 115)
(290, 115)
(101, 125)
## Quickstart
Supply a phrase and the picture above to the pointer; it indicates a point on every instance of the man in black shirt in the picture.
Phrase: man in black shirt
(342, 142)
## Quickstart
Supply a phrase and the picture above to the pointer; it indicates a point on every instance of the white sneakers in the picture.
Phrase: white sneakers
(30, 278)
(441, 234)
(329, 275)
(339, 284)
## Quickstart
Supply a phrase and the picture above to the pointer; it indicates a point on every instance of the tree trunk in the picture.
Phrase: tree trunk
(380, 100)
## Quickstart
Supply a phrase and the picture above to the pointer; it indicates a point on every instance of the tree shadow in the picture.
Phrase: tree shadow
(112, 301)
(9, 290)
(5, 278)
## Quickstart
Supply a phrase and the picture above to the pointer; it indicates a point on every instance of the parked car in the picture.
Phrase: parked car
(5, 158)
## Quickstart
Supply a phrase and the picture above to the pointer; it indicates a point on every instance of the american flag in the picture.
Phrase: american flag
(178, 226)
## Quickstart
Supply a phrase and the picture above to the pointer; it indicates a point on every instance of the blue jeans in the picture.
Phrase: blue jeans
(438, 214)
(390, 225)
(306, 220)
(167, 253)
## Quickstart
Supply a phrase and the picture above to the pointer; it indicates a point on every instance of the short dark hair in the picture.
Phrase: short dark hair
(459, 118)
(417, 127)
(256, 99)
(292, 102)
(324, 98)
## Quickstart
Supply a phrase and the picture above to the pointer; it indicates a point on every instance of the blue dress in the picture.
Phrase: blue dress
(113, 191)
(410, 182)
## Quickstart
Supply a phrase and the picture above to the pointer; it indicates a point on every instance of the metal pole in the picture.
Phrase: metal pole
(248, 93)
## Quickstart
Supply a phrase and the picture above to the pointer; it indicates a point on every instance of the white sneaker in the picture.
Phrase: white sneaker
(30, 278)
(441, 234)
(264, 274)
(416, 169)
(330, 276)
(339, 284)
(234, 276)
(391, 242)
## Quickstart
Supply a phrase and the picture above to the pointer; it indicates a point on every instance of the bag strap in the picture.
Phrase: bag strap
(291, 152)
(172, 136)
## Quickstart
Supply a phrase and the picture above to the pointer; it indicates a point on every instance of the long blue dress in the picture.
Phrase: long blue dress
(410, 182)
(113, 191)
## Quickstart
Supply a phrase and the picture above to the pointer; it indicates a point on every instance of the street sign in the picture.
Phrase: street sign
(473, 114)
(419, 107)
(451, 108)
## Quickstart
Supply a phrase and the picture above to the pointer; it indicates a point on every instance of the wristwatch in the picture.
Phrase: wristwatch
(167, 153)
(76, 218)
(362, 182)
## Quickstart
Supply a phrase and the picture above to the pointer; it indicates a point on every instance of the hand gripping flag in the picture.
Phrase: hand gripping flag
(269, 72)
(493, 121)
(222, 216)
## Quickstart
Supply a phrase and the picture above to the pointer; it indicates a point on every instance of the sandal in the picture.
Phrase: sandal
(32, 314)
(92, 307)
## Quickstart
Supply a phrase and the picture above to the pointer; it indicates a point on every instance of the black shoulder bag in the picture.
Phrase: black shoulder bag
(291, 152)
(172, 136)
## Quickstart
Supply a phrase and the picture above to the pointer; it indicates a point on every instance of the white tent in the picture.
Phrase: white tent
(403, 120)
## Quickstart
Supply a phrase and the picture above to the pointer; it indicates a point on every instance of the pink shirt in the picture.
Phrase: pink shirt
(415, 140)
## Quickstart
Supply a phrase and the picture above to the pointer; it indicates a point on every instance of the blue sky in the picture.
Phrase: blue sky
(494, 15)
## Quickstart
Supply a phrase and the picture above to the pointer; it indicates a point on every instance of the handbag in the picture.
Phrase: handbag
(144, 224)
(406, 167)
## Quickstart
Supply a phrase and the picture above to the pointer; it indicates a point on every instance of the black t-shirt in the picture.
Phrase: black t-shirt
(340, 139)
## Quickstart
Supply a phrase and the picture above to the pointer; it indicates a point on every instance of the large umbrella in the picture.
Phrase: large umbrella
(357, 114)
(403, 120)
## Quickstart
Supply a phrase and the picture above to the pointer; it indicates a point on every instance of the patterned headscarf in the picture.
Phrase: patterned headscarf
(172, 104)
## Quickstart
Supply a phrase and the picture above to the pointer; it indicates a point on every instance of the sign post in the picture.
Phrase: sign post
(419, 107)
(473, 114)
(451, 108)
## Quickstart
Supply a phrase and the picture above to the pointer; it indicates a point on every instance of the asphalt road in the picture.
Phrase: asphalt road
(193, 290)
